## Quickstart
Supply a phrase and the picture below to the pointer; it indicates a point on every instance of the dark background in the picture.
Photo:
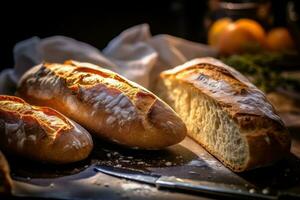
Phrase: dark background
(97, 22)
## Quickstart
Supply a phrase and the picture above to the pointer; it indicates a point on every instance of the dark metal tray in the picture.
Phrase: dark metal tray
(186, 160)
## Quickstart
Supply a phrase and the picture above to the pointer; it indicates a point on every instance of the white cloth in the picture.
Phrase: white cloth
(135, 54)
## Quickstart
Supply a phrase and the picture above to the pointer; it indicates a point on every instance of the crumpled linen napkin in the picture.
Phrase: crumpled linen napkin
(135, 54)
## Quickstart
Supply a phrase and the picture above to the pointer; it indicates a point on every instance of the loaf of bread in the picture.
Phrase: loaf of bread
(225, 113)
(5, 179)
(41, 133)
(107, 104)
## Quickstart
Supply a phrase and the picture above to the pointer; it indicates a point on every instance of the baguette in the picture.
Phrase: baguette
(105, 103)
(41, 133)
(225, 113)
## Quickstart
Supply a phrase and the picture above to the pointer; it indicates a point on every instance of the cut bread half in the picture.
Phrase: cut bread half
(225, 113)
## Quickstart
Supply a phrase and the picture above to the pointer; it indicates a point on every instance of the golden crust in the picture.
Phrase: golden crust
(240, 98)
(41, 133)
(52, 122)
(104, 102)
(267, 137)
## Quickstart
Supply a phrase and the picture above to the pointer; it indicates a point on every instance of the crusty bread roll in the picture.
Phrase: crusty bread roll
(105, 103)
(225, 113)
(41, 133)
(6, 183)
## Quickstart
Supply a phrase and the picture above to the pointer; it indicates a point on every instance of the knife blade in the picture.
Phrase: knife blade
(171, 182)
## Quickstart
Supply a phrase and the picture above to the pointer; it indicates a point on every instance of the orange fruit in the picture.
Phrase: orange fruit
(279, 39)
(255, 28)
(234, 39)
(216, 29)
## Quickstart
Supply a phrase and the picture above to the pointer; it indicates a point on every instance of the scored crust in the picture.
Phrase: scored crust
(52, 122)
(104, 102)
(257, 121)
(41, 133)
